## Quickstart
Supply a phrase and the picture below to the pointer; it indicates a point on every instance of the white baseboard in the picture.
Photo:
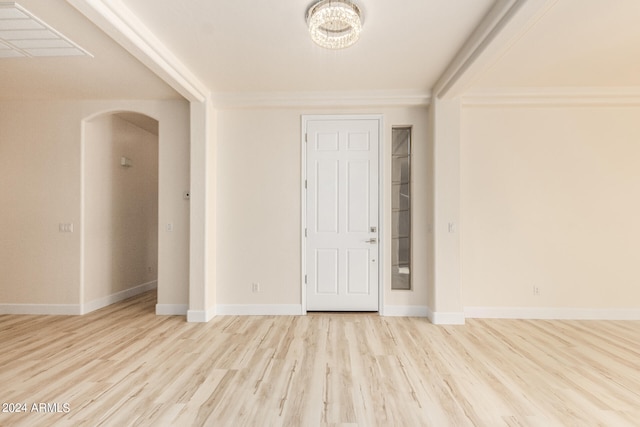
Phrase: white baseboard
(446, 317)
(41, 309)
(552, 313)
(200, 316)
(259, 309)
(76, 309)
(171, 309)
(118, 296)
(405, 311)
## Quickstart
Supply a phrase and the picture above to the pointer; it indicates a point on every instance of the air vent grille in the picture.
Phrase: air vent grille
(24, 35)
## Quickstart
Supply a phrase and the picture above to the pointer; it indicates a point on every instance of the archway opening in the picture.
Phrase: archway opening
(120, 208)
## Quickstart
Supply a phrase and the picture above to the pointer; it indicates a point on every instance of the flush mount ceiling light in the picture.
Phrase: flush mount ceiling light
(334, 24)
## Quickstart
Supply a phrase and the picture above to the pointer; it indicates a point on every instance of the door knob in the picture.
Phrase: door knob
(372, 240)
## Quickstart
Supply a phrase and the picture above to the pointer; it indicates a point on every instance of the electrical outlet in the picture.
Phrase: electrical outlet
(536, 290)
(255, 287)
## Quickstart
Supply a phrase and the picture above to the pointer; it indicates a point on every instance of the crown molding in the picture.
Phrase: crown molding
(239, 100)
(578, 96)
(503, 25)
(484, 33)
(123, 26)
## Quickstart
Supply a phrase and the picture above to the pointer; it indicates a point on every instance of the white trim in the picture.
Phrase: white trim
(259, 309)
(446, 318)
(381, 217)
(303, 213)
(553, 313)
(120, 23)
(200, 316)
(172, 309)
(41, 309)
(406, 311)
(76, 309)
(494, 21)
(118, 296)
(303, 205)
(505, 23)
(232, 100)
(563, 96)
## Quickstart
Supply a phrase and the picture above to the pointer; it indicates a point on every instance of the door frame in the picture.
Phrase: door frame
(381, 201)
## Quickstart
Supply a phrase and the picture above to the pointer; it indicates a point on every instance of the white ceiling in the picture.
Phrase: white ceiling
(260, 46)
(264, 46)
(577, 43)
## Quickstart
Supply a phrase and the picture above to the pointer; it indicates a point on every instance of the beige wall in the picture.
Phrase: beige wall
(259, 205)
(445, 302)
(173, 180)
(40, 171)
(550, 198)
(121, 207)
(40, 175)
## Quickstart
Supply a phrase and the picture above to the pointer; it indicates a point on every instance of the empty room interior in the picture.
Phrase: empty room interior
(333, 212)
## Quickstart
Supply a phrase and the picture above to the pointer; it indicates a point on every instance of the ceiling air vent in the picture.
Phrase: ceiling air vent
(22, 34)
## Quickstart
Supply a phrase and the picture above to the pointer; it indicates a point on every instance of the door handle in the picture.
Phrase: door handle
(372, 240)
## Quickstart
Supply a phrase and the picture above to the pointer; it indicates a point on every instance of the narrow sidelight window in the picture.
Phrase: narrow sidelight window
(401, 204)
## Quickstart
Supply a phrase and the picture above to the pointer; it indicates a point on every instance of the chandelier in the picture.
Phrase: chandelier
(334, 24)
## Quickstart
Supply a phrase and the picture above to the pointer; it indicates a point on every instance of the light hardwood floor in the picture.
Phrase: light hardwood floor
(123, 365)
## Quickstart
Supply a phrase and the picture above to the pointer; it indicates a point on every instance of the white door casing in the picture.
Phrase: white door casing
(341, 244)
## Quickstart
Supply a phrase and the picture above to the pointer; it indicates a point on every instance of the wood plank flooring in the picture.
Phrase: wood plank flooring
(125, 366)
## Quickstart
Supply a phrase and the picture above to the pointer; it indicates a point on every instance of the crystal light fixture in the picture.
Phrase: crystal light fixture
(334, 24)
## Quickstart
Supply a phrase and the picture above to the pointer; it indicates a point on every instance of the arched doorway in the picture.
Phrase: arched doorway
(119, 208)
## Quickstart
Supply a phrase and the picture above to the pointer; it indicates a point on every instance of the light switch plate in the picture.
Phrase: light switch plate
(65, 227)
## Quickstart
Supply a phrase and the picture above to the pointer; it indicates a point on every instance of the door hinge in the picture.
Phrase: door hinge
(306, 137)
(305, 232)
(305, 184)
(305, 278)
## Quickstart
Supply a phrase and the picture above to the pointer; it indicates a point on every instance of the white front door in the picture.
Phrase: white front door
(341, 243)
